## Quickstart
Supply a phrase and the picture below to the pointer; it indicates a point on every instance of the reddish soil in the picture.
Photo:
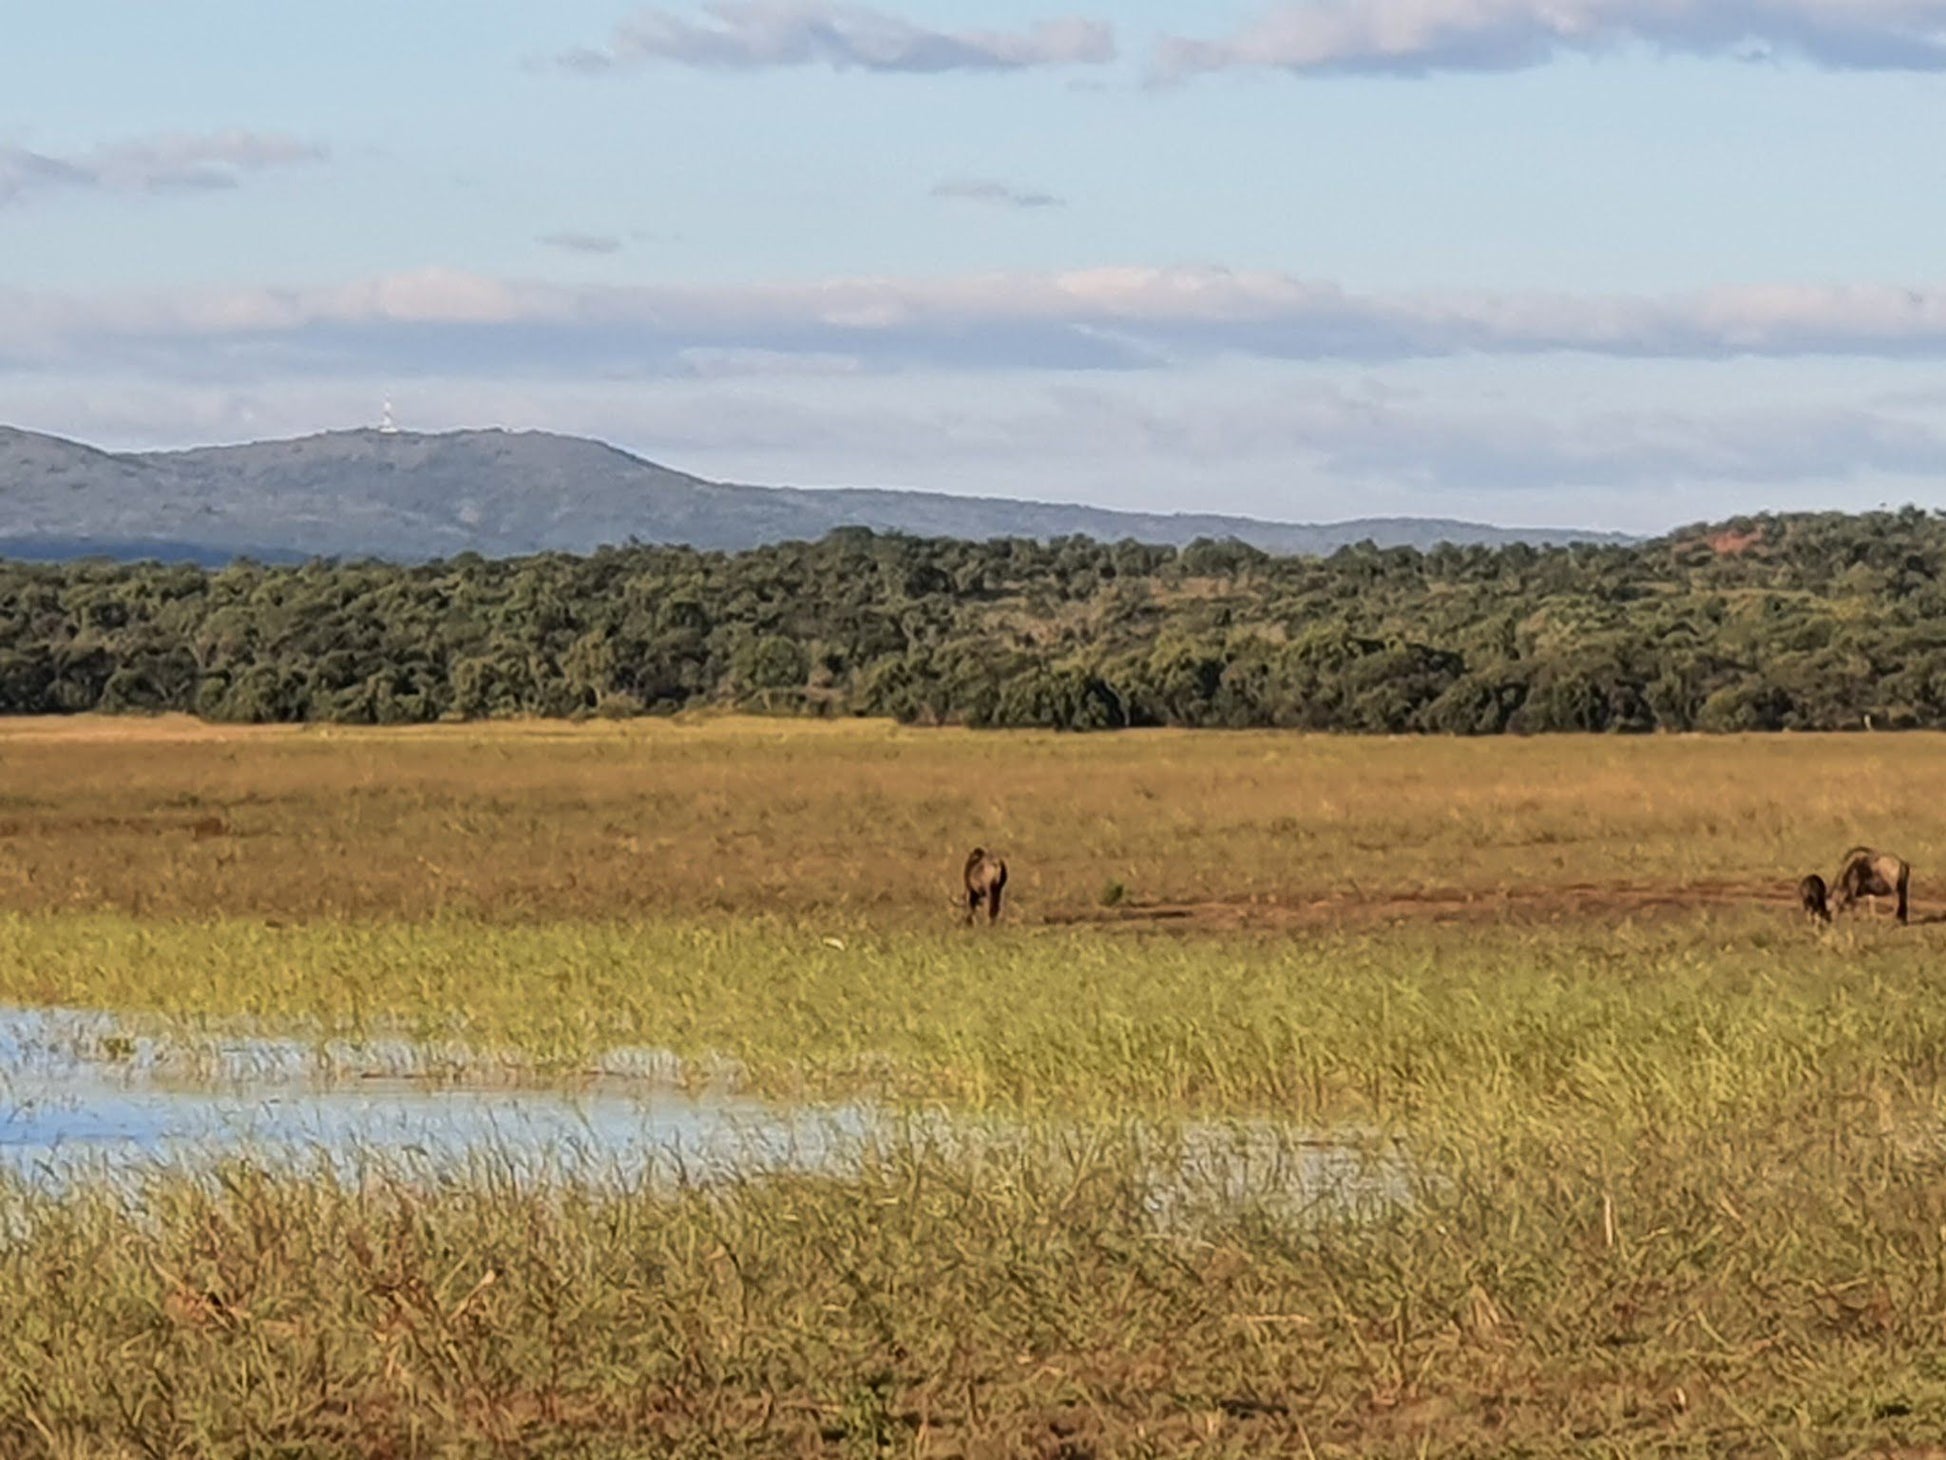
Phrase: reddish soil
(1734, 544)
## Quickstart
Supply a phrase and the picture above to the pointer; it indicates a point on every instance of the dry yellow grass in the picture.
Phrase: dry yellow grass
(533, 821)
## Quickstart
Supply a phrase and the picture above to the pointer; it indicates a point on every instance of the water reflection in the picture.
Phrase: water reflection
(83, 1095)
(79, 1094)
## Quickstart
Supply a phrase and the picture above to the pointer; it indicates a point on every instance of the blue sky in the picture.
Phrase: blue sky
(1621, 263)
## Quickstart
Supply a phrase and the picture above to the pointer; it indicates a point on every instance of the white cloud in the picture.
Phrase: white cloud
(594, 243)
(441, 320)
(754, 34)
(169, 163)
(996, 194)
(1367, 436)
(1414, 37)
(1762, 447)
(720, 364)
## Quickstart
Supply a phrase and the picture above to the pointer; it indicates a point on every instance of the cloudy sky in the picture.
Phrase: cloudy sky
(1614, 263)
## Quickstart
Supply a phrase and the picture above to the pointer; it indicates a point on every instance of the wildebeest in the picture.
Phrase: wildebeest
(986, 877)
(1868, 873)
(1813, 896)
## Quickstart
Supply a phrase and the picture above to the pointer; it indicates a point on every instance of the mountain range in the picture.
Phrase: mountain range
(405, 496)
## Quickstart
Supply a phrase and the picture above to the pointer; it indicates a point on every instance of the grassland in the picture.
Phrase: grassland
(864, 822)
(1679, 1161)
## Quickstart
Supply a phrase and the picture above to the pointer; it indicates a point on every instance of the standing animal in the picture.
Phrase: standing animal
(985, 878)
(1813, 896)
(1868, 873)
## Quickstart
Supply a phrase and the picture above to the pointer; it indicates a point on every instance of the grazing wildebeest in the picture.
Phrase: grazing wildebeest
(1868, 873)
(1813, 896)
(985, 877)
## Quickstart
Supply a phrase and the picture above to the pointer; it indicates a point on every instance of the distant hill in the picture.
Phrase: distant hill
(408, 497)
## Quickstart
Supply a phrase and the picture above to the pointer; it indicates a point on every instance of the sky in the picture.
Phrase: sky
(1603, 263)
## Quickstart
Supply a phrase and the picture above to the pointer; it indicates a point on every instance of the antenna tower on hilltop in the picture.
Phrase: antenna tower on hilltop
(386, 425)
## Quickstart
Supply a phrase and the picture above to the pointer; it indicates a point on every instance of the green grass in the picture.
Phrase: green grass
(1675, 1022)
(1681, 1188)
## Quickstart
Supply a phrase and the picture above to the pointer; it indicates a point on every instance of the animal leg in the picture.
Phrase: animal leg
(1905, 877)
(993, 904)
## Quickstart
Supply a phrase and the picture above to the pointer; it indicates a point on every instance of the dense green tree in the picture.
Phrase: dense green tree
(1815, 621)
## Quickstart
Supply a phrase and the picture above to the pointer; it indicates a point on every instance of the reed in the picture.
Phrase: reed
(1766, 1290)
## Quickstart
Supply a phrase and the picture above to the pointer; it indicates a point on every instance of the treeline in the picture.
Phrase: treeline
(1800, 622)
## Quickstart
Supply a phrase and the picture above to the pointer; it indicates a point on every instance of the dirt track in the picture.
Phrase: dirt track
(1574, 902)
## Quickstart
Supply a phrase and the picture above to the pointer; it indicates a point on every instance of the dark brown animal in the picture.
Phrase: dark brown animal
(1814, 897)
(986, 879)
(1868, 873)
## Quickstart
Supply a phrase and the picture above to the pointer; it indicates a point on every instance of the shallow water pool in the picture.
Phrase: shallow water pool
(84, 1096)
(79, 1094)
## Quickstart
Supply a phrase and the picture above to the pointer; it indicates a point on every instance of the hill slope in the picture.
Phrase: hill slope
(406, 497)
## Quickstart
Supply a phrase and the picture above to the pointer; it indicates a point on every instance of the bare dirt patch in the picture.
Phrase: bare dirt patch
(1576, 902)
(1735, 544)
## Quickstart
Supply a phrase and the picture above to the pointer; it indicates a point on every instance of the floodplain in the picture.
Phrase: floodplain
(1315, 1095)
